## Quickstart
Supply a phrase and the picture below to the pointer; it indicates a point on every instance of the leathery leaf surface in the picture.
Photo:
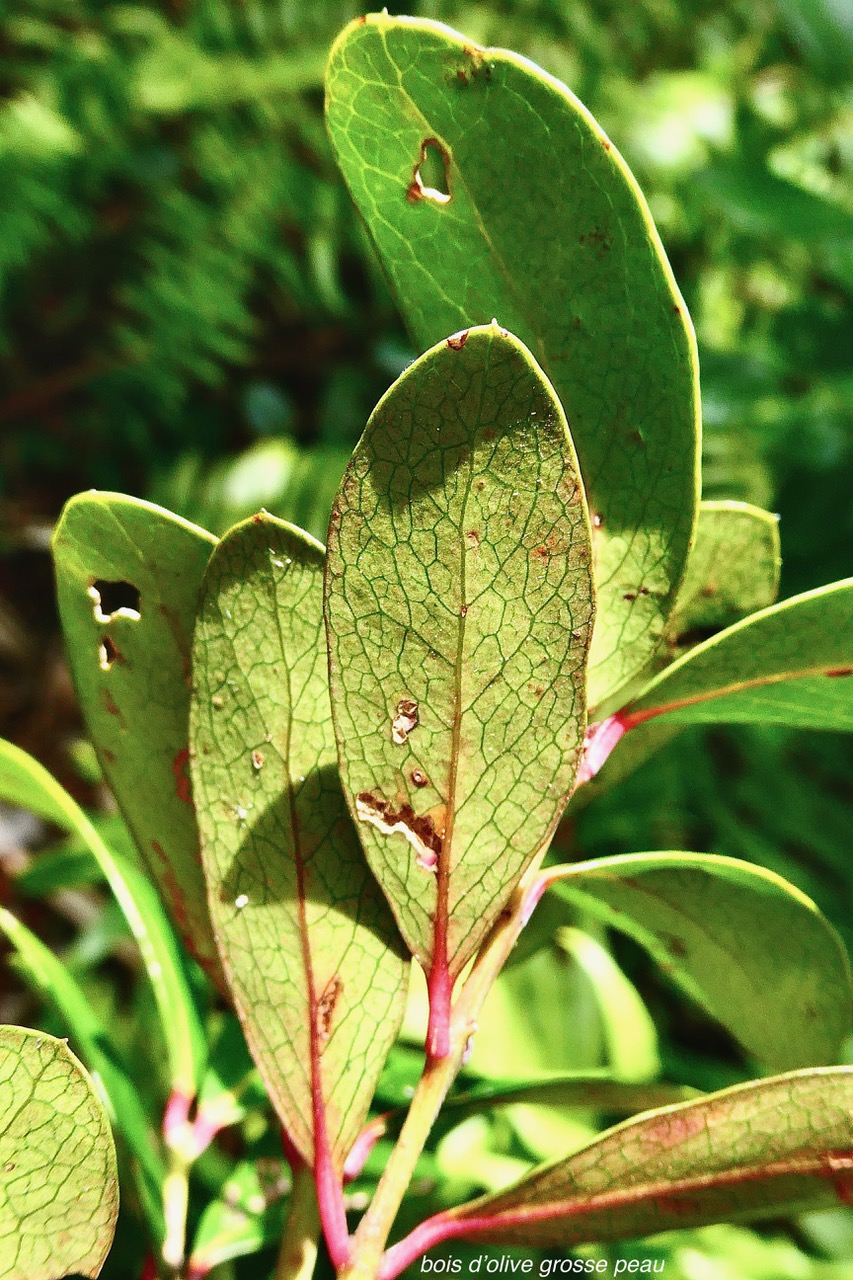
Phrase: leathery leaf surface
(312, 954)
(752, 949)
(489, 190)
(776, 1146)
(791, 664)
(58, 1182)
(459, 610)
(128, 576)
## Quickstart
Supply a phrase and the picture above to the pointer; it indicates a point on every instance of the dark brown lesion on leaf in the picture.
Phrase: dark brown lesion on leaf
(326, 1006)
(424, 832)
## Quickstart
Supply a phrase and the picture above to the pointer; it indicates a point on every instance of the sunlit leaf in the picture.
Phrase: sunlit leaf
(311, 952)
(128, 577)
(58, 1187)
(458, 604)
(489, 190)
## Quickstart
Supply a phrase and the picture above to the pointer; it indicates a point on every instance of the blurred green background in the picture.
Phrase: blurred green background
(190, 312)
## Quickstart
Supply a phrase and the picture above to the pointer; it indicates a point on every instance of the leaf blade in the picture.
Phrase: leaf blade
(400, 87)
(132, 673)
(783, 665)
(730, 933)
(59, 1199)
(779, 1145)
(311, 953)
(458, 746)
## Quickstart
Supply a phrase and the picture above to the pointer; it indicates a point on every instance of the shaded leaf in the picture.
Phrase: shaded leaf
(311, 952)
(791, 664)
(732, 569)
(770, 1147)
(128, 577)
(46, 974)
(753, 950)
(24, 782)
(550, 233)
(458, 606)
(58, 1186)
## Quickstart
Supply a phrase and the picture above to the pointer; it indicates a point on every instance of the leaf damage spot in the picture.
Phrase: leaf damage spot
(326, 1006)
(257, 760)
(431, 177)
(472, 537)
(419, 778)
(424, 832)
(182, 780)
(406, 718)
(108, 653)
(241, 901)
(840, 671)
(457, 341)
(114, 600)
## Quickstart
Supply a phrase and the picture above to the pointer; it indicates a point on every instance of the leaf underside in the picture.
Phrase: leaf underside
(459, 605)
(58, 1183)
(549, 233)
(131, 668)
(312, 955)
(748, 946)
(776, 1146)
(791, 664)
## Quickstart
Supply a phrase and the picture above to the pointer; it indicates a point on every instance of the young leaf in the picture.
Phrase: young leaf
(24, 782)
(46, 974)
(128, 576)
(458, 610)
(752, 949)
(770, 1147)
(59, 1190)
(790, 665)
(549, 232)
(311, 952)
(732, 569)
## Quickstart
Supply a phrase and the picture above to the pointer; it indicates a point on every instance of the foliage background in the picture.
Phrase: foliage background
(189, 312)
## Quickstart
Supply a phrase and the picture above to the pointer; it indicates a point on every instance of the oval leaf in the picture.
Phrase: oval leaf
(128, 577)
(775, 1146)
(58, 1186)
(537, 220)
(311, 952)
(47, 976)
(791, 664)
(743, 942)
(24, 782)
(458, 608)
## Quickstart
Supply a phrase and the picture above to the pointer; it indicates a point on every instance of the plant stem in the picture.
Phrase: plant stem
(433, 1086)
(298, 1253)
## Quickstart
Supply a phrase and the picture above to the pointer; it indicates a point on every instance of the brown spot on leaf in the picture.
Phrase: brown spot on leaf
(326, 1006)
(419, 778)
(406, 718)
(257, 759)
(629, 596)
(676, 948)
(457, 341)
(110, 705)
(108, 653)
(710, 589)
(541, 554)
(473, 538)
(182, 782)
(840, 671)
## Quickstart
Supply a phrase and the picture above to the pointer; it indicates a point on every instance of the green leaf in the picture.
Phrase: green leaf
(59, 1190)
(458, 608)
(24, 782)
(546, 229)
(743, 942)
(790, 665)
(48, 976)
(128, 577)
(772, 1147)
(732, 569)
(311, 952)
